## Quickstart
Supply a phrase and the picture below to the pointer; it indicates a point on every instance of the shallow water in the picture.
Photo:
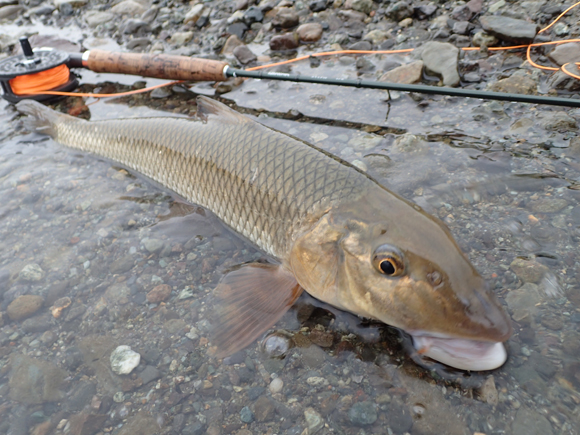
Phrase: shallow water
(504, 183)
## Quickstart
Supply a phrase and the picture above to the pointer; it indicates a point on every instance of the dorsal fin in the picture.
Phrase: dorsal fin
(206, 106)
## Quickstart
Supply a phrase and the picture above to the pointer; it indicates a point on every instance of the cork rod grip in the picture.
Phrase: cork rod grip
(162, 66)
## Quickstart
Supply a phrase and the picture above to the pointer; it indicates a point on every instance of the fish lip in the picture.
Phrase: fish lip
(460, 353)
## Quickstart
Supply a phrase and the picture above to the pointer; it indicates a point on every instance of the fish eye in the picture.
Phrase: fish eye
(388, 260)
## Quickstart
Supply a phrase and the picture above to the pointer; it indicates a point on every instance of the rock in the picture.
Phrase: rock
(125, 263)
(363, 413)
(286, 18)
(153, 245)
(253, 15)
(141, 423)
(31, 272)
(136, 27)
(34, 381)
(314, 421)
(10, 11)
(80, 396)
(246, 415)
(522, 302)
(409, 143)
(179, 39)
(441, 58)
(36, 324)
(96, 18)
(488, 392)
(124, 360)
(425, 11)
(194, 13)
(529, 270)
(565, 53)
(175, 326)
(364, 6)
(149, 374)
(399, 11)
(405, 74)
(232, 42)
(244, 54)
(264, 409)
(400, 419)
(309, 32)
(288, 41)
(462, 13)
(528, 422)
(462, 27)
(482, 39)
(159, 294)
(317, 5)
(516, 84)
(509, 29)
(376, 36)
(118, 293)
(24, 306)
(128, 7)
(361, 45)
(558, 121)
(276, 385)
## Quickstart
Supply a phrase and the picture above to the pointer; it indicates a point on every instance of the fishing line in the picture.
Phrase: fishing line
(44, 73)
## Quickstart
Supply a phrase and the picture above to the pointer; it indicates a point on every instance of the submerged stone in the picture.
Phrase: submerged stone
(124, 360)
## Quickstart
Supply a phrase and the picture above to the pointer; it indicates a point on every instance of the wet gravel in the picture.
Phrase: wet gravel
(94, 257)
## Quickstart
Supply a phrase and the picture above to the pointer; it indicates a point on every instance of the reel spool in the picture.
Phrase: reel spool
(42, 69)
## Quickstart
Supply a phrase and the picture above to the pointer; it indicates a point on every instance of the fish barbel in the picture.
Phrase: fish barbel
(336, 232)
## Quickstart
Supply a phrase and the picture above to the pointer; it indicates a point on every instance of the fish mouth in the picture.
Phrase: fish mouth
(461, 353)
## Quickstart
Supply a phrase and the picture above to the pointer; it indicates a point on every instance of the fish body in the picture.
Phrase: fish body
(336, 232)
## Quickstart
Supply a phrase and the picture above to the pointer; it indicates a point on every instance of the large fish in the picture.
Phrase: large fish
(336, 232)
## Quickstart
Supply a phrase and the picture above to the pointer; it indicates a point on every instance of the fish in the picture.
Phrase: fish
(330, 229)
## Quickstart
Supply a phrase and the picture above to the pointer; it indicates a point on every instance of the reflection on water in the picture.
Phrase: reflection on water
(138, 269)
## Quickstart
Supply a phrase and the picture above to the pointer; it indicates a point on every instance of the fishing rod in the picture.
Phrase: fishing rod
(35, 72)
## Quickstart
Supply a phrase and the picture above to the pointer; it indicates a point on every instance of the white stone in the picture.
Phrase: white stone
(124, 360)
(276, 385)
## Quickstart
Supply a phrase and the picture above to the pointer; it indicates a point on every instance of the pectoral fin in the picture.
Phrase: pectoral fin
(252, 299)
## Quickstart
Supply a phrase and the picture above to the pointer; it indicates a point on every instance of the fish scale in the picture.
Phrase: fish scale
(262, 183)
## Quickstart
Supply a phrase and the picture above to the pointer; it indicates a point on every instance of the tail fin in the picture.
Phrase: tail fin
(40, 118)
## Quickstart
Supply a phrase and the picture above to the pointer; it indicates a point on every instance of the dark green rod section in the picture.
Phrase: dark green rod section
(454, 92)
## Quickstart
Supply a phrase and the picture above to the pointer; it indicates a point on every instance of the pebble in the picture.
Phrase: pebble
(246, 415)
(364, 6)
(244, 54)
(31, 272)
(558, 121)
(565, 53)
(159, 294)
(286, 18)
(488, 392)
(399, 11)
(153, 245)
(363, 413)
(529, 270)
(509, 29)
(314, 421)
(124, 360)
(442, 58)
(128, 7)
(288, 41)
(264, 409)
(24, 306)
(515, 84)
(482, 39)
(276, 385)
(149, 374)
(194, 13)
(309, 32)
(523, 302)
(96, 18)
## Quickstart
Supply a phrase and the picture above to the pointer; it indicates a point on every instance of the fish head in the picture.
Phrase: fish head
(399, 265)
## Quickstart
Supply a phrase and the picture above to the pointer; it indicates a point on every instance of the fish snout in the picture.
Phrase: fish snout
(485, 311)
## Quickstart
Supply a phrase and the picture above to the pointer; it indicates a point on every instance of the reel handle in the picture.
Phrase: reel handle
(162, 66)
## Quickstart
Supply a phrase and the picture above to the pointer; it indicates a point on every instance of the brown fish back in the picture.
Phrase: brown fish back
(263, 184)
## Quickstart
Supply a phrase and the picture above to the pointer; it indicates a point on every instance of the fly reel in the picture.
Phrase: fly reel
(22, 75)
